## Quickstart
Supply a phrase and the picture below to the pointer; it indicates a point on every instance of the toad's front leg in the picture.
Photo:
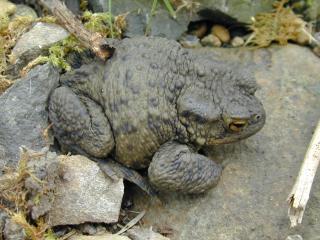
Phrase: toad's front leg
(79, 123)
(175, 167)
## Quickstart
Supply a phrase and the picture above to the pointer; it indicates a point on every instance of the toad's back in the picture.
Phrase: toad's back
(140, 88)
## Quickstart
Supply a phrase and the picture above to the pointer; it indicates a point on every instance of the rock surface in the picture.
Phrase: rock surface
(6, 8)
(137, 233)
(189, 41)
(161, 24)
(211, 41)
(73, 5)
(313, 13)
(106, 236)
(24, 11)
(23, 115)
(294, 237)
(36, 42)
(250, 199)
(242, 10)
(13, 231)
(85, 194)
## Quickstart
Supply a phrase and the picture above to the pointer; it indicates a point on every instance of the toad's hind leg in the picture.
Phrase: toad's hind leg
(79, 123)
(175, 167)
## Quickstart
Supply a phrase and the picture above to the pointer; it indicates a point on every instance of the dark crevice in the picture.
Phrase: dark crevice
(211, 17)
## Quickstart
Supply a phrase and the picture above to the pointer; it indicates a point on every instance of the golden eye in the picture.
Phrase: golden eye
(236, 125)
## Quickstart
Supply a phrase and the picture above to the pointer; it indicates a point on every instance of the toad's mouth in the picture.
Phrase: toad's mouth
(237, 125)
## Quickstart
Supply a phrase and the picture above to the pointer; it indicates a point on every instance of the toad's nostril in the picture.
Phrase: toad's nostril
(257, 118)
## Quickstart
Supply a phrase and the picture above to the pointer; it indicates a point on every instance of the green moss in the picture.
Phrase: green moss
(95, 22)
(10, 31)
(83, 5)
(49, 235)
(59, 51)
(104, 23)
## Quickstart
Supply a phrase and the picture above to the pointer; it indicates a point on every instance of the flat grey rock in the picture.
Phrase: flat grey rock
(161, 24)
(34, 43)
(40, 36)
(138, 233)
(242, 10)
(24, 11)
(85, 194)
(13, 231)
(106, 236)
(249, 202)
(23, 115)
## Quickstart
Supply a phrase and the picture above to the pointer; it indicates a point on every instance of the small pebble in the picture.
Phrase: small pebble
(13, 231)
(24, 11)
(7, 7)
(88, 229)
(190, 41)
(316, 51)
(237, 41)
(317, 36)
(303, 38)
(211, 41)
(221, 32)
(294, 237)
(200, 30)
(101, 229)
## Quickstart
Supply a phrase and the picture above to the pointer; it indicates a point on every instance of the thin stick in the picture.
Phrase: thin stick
(102, 47)
(132, 223)
(300, 192)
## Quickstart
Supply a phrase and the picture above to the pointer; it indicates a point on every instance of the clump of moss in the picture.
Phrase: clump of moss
(281, 25)
(17, 199)
(104, 23)
(84, 5)
(4, 83)
(189, 5)
(95, 22)
(10, 31)
(59, 51)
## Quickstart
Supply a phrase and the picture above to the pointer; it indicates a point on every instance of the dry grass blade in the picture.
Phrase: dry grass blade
(4, 84)
(133, 222)
(8, 180)
(300, 192)
(68, 235)
(37, 61)
(16, 197)
(30, 230)
(281, 25)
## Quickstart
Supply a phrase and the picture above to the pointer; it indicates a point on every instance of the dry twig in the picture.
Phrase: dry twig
(132, 223)
(102, 47)
(300, 192)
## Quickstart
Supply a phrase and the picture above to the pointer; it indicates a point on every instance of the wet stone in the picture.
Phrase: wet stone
(249, 201)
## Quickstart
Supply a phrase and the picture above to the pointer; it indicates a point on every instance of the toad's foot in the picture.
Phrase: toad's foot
(175, 167)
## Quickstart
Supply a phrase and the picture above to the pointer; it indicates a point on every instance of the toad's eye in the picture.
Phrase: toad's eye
(236, 125)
